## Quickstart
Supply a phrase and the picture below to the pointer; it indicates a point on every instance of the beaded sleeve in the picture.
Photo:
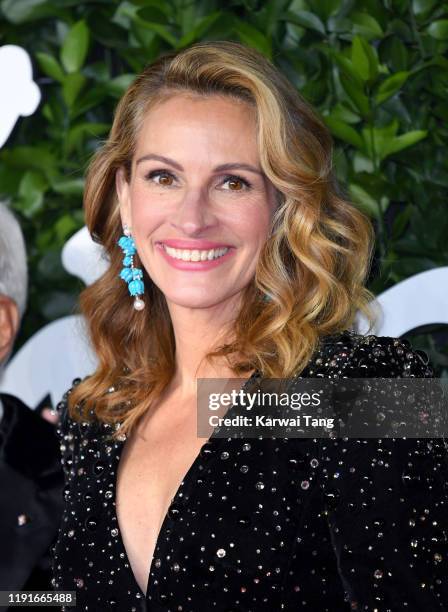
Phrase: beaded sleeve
(67, 431)
(385, 502)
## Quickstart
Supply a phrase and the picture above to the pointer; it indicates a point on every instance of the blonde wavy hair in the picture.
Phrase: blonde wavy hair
(313, 265)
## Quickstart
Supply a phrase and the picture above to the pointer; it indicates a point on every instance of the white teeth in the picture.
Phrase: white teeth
(195, 254)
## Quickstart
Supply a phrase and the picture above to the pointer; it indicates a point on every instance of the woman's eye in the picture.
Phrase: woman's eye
(236, 183)
(165, 179)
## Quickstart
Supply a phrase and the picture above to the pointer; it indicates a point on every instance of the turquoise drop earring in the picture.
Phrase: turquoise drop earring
(132, 276)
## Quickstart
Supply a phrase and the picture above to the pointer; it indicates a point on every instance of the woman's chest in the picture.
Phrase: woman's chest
(150, 472)
(230, 528)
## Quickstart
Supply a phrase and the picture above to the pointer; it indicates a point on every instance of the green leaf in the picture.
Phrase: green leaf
(364, 59)
(390, 86)
(340, 164)
(222, 28)
(401, 221)
(65, 226)
(53, 109)
(72, 87)
(252, 37)
(201, 27)
(187, 16)
(395, 53)
(107, 33)
(408, 266)
(98, 72)
(9, 181)
(439, 29)
(50, 66)
(162, 31)
(74, 49)
(366, 26)
(356, 95)
(270, 15)
(420, 7)
(339, 24)
(384, 203)
(344, 132)
(47, 112)
(153, 14)
(31, 192)
(70, 187)
(21, 11)
(375, 184)
(326, 8)
(305, 19)
(117, 86)
(44, 239)
(404, 141)
(341, 112)
(144, 35)
(360, 60)
(91, 98)
(347, 67)
(125, 14)
(78, 132)
(361, 163)
(363, 200)
(36, 157)
(377, 139)
(128, 16)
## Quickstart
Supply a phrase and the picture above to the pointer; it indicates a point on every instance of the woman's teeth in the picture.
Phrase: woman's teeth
(195, 255)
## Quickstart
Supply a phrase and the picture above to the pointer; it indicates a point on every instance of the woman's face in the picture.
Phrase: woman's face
(198, 204)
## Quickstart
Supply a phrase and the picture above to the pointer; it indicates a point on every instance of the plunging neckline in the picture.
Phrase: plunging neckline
(187, 478)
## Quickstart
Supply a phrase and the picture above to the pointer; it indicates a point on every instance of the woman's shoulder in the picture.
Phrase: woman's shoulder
(79, 433)
(72, 430)
(351, 354)
(66, 422)
(77, 422)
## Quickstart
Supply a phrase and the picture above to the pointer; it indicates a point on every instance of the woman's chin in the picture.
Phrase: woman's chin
(199, 300)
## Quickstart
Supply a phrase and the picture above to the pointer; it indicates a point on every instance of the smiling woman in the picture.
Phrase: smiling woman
(191, 215)
(253, 265)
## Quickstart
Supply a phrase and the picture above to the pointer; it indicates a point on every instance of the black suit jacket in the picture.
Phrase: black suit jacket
(264, 525)
(31, 482)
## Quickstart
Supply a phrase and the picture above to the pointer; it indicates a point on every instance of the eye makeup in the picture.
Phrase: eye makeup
(153, 174)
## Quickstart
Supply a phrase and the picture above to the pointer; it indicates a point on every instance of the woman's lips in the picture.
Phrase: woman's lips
(198, 266)
(178, 243)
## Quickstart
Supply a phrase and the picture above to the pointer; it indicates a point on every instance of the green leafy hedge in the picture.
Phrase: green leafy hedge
(377, 72)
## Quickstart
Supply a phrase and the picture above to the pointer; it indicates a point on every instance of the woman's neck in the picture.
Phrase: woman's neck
(198, 331)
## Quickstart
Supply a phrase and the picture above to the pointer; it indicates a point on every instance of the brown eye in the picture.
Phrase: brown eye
(235, 184)
(165, 179)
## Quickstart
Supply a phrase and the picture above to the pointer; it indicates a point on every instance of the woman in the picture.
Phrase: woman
(243, 259)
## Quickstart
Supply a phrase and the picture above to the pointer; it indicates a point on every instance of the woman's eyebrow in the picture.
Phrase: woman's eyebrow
(220, 168)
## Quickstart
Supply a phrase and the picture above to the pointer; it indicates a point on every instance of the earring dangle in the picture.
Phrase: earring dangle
(132, 276)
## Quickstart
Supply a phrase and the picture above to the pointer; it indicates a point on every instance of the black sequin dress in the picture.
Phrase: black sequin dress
(267, 524)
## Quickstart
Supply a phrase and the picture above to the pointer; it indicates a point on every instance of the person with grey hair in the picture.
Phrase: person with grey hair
(13, 281)
(31, 477)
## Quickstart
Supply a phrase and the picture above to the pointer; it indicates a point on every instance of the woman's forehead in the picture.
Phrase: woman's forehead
(200, 125)
(189, 105)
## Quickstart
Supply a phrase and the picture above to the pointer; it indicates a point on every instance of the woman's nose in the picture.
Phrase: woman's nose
(194, 213)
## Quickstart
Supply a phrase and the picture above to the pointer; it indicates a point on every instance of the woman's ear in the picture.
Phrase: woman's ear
(123, 193)
(9, 325)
